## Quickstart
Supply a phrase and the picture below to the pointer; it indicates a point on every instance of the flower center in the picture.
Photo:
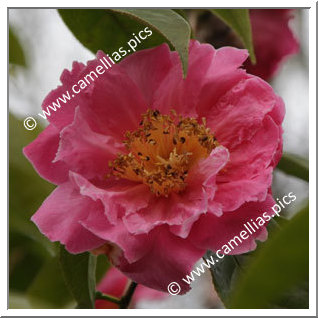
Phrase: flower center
(162, 150)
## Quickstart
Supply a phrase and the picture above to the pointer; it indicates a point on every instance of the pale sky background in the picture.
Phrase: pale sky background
(51, 48)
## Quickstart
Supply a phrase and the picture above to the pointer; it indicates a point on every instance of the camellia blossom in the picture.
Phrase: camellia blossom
(153, 169)
(273, 40)
(114, 284)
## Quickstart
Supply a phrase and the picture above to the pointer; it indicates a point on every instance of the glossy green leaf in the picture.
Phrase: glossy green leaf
(111, 29)
(168, 23)
(16, 54)
(281, 265)
(79, 274)
(239, 21)
(225, 272)
(48, 290)
(105, 30)
(294, 165)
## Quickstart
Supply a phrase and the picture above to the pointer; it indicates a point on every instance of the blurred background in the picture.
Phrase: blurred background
(49, 47)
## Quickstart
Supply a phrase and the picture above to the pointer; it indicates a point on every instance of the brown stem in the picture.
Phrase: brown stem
(110, 298)
(125, 300)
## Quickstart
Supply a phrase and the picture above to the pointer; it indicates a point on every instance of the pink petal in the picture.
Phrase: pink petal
(145, 71)
(225, 61)
(222, 75)
(113, 283)
(41, 153)
(64, 115)
(247, 176)
(134, 247)
(215, 89)
(234, 193)
(114, 103)
(105, 223)
(212, 232)
(172, 210)
(253, 156)
(241, 122)
(240, 112)
(206, 170)
(203, 176)
(169, 260)
(181, 210)
(268, 26)
(182, 94)
(278, 114)
(118, 197)
(79, 74)
(59, 218)
(107, 100)
(145, 293)
(80, 147)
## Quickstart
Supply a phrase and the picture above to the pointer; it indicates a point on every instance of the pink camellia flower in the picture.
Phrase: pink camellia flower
(153, 169)
(273, 40)
(114, 283)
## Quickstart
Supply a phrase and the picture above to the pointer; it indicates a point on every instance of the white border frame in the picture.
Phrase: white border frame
(312, 162)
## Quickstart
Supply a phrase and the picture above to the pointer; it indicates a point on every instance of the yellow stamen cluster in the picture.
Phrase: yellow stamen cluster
(162, 150)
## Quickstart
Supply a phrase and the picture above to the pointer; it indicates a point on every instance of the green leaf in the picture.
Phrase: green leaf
(168, 23)
(26, 257)
(182, 13)
(111, 29)
(281, 265)
(239, 21)
(79, 275)
(16, 54)
(295, 298)
(105, 30)
(225, 272)
(294, 165)
(27, 190)
(29, 249)
(48, 290)
(102, 266)
(222, 275)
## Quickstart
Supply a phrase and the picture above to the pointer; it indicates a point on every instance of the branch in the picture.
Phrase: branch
(123, 302)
